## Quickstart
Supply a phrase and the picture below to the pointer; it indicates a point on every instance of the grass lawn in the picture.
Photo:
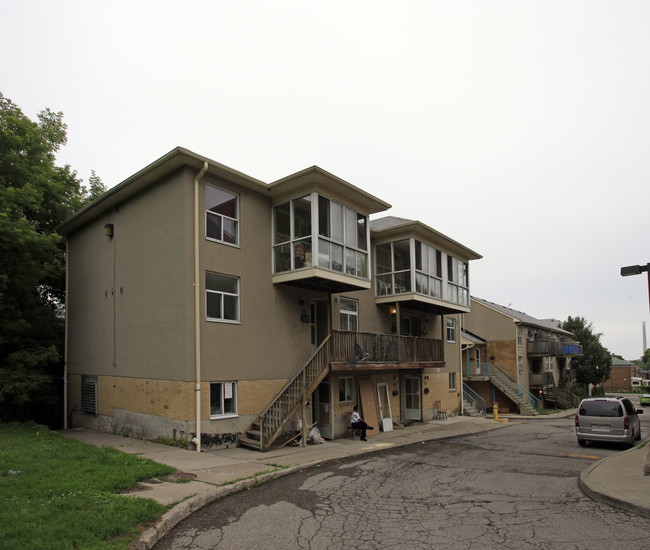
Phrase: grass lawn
(56, 492)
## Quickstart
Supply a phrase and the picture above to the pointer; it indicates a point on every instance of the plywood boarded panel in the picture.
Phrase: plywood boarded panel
(368, 405)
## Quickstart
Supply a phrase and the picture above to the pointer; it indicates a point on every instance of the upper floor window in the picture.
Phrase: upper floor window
(221, 297)
(221, 215)
(393, 267)
(349, 314)
(451, 330)
(428, 270)
(457, 285)
(341, 241)
(519, 336)
(342, 238)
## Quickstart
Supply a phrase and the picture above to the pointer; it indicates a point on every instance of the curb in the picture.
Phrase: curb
(182, 510)
(598, 493)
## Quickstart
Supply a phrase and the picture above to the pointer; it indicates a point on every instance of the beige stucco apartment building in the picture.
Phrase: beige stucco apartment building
(515, 360)
(207, 305)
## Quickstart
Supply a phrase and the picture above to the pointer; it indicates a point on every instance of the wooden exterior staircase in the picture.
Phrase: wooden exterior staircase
(273, 419)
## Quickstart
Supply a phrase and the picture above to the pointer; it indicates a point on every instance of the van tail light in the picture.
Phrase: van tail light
(577, 422)
(627, 423)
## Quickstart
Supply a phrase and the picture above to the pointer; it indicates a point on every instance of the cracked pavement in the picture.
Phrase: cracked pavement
(509, 489)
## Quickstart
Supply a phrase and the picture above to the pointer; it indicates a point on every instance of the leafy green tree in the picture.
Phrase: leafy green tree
(36, 195)
(595, 365)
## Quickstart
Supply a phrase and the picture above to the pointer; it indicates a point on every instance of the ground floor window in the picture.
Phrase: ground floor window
(223, 399)
(452, 381)
(346, 392)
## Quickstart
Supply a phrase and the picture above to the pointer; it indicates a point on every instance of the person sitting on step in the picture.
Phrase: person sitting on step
(357, 423)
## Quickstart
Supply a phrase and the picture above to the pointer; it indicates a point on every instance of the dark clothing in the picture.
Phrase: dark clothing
(361, 426)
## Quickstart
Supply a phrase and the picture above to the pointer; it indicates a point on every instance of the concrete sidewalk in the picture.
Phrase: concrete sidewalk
(618, 480)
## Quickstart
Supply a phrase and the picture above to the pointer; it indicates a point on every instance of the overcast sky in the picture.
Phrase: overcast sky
(520, 129)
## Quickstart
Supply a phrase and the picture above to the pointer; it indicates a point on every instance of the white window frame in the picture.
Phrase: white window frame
(349, 314)
(457, 281)
(209, 213)
(519, 336)
(226, 388)
(451, 330)
(520, 362)
(452, 381)
(348, 383)
(222, 293)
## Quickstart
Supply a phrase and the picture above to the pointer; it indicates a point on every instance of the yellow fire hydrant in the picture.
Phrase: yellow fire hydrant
(495, 412)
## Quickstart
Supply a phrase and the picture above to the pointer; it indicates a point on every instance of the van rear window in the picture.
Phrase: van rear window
(601, 408)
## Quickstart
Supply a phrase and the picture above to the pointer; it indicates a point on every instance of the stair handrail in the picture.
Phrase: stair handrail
(490, 370)
(528, 397)
(277, 413)
(474, 398)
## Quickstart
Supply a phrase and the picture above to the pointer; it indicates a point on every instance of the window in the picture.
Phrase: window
(349, 312)
(393, 267)
(346, 392)
(452, 381)
(342, 238)
(428, 270)
(221, 297)
(221, 215)
(451, 330)
(341, 244)
(519, 337)
(458, 281)
(520, 362)
(223, 399)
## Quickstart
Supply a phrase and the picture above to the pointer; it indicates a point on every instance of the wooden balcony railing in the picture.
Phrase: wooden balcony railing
(354, 347)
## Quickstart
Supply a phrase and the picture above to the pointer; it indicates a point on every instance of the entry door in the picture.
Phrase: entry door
(412, 398)
(478, 362)
(385, 413)
(323, 409)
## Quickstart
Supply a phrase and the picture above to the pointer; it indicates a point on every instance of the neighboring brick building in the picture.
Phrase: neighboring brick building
(620, 377)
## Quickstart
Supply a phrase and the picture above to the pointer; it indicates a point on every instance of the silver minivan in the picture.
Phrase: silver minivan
(608, 419)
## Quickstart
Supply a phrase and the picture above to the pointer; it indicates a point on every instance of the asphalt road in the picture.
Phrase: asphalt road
(510, 488)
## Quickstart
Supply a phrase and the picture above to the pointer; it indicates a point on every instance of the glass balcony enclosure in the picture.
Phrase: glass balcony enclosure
(316, 232)
(410, 266)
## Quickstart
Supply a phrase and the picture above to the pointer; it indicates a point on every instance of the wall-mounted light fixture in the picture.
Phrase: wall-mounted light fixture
(109, 230)
(393, 310)
(304, 316)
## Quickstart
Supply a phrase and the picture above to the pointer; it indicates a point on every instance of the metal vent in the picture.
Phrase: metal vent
(89, 397)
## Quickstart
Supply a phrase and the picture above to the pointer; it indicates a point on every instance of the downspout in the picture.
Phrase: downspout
(65, 341)
(460, 363)
(197, 309)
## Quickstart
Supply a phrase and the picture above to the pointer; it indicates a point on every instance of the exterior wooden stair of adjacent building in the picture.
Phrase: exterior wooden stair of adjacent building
(528, 404)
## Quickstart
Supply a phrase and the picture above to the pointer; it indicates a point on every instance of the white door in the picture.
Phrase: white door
(385, 414)
(412, 398)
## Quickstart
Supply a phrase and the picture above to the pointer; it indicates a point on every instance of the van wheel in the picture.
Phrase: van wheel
(638, 436)
(582, 442)
(630, 443)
